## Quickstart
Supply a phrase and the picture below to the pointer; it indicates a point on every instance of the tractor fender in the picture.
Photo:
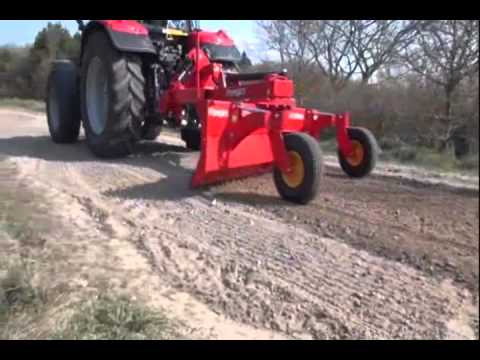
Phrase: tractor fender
(124, 37)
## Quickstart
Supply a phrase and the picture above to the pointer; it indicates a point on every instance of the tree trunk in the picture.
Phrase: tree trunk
(448, 104)
(282, 57)
(365, 78)
(443, 142)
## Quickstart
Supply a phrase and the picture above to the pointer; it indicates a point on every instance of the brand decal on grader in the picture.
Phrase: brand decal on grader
(217, 112)
(296, 116)
(236, 92)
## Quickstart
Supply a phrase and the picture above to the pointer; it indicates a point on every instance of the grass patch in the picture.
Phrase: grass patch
(116, 318)
(20, 300)
(418, 156)
(22, 225)
(19, 218)
(469, 163)
(431, 159)
(29, 104)
(17, 291)
(24, 313)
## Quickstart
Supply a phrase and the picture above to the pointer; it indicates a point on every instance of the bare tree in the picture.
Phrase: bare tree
(420, 60)
(324, 43)
(376, 43)
(290, 38)
(445, 52)
(274, 36)
(339, 48)
(331, 43)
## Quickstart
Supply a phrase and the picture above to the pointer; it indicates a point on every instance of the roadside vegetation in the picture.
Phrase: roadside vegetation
(27, 104)
(33, 306)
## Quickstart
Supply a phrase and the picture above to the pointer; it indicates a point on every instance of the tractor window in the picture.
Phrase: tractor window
(155, 23)
(222, 53)
(185, 25)
(179, 25)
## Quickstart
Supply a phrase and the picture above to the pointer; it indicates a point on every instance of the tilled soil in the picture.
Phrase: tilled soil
(434, 229)
(379, 258)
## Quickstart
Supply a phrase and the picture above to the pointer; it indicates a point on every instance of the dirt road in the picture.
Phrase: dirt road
(380, 258)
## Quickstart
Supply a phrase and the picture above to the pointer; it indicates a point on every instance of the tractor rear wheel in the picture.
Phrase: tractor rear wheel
(112, 92)
(301, 185)
(151, 132)
(63, 109)
(365, 153)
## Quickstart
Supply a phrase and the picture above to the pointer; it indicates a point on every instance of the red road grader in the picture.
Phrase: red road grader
(135, 76)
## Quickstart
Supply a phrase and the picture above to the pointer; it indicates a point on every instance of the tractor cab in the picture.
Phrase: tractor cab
(218, 47)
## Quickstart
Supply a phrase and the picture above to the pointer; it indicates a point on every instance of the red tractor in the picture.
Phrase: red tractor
(133, 76)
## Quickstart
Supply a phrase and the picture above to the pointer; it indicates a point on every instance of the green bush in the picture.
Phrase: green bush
(24, 70)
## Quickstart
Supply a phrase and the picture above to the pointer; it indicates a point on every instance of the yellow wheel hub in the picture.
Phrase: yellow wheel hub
(358, 153)
(295, 177)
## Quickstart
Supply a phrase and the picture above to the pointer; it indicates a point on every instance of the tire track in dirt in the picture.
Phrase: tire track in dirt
(330, 279)
(434, 230)
(254, 252)
(255, 269)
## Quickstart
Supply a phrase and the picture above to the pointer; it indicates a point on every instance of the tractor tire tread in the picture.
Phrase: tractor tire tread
(127, 100)
(371, 149)
(311, 155)
(62, 83)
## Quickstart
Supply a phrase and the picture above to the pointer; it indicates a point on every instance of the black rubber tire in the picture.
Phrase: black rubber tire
(62, 103)
(308, 149)
(192, 138)
(370, 148)
(126, 98)
(151, 132)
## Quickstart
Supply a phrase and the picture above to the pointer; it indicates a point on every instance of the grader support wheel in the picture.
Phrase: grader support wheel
(301, 185)
(364, 156)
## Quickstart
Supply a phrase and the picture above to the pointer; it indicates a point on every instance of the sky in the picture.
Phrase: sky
(243, 32)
